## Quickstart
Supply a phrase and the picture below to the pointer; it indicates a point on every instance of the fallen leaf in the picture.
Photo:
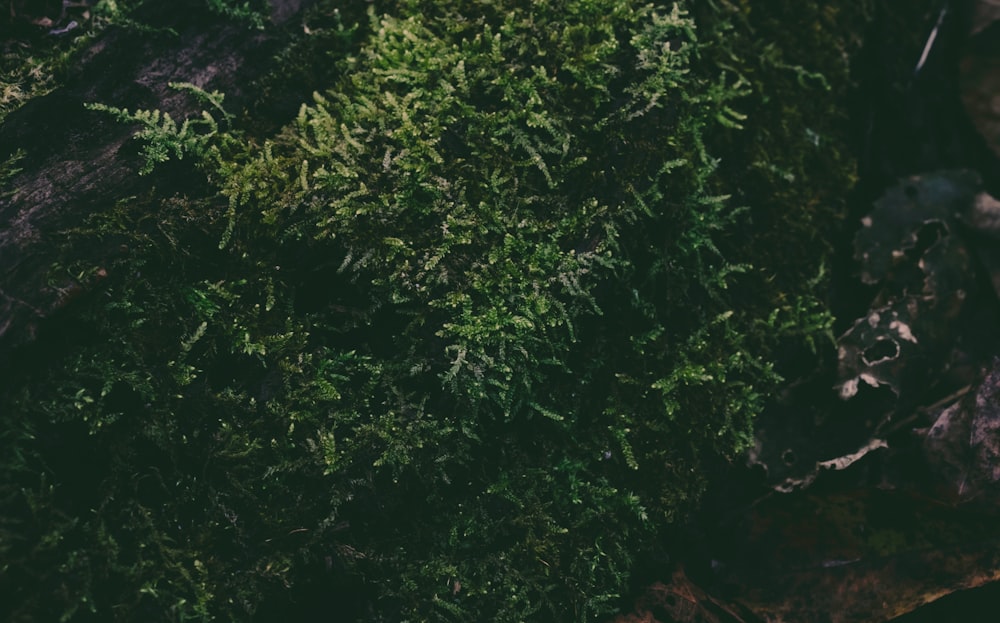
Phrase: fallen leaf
(963, 445)
(916, 205)
(985, 435)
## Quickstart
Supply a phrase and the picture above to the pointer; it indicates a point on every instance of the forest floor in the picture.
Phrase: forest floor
(873, 493)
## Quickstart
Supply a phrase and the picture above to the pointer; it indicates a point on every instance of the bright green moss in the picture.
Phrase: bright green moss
(480, 320)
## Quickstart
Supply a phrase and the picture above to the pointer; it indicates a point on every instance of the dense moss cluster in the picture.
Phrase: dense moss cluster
(468, 332)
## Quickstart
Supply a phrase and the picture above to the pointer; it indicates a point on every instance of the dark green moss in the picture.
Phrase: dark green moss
(468, 331)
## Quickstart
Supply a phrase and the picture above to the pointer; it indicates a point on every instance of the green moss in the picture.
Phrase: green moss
(35, 66)
(254, 12)
(481, 319)
(198, 138)
(8, 169)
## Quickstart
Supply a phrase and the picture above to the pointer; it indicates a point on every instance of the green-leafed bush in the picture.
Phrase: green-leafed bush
(468, 333)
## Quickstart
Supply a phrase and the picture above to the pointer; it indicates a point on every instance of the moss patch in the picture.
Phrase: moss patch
(471, 328)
